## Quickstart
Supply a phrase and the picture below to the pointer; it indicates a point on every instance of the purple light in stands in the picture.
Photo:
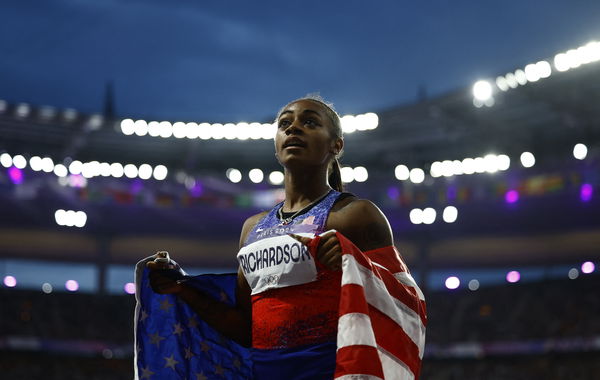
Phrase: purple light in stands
(586, 192)
(10, 281)
(72, 285)
(513, 276)
(77, 180)
(15, 174)
(452, 282)
(393, 193)
(588, 267)
(197, 189)
(129, 288)
(451, 193)
(511, 196)
(136, 186)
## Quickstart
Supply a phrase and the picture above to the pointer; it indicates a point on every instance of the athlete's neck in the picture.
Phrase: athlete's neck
(303, 187)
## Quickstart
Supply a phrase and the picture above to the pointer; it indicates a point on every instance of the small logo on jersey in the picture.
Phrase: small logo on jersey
(271, 280)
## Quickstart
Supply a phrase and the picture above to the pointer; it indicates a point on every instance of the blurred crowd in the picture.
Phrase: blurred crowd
(521, 311)
(543, 311)
(580, 366)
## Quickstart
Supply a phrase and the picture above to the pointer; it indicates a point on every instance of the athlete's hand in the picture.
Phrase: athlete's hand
(329, 251)
(164, 275)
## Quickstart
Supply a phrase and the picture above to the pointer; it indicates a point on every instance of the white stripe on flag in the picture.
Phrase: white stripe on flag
(355, 329)
(407, 279)
(393, 369)
(378, 296)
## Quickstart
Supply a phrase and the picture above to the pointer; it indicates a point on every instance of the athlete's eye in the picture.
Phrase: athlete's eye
(311, 122)
(284, 123)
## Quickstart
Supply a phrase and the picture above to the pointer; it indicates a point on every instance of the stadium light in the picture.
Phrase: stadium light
(160, 172)
(230, 131)
(534, 72)
(452, 282)
(429, 215)
(402, 172)
(19, 161)
(130, 171)
(6, 160)
(491, 163)
(179, 130)
(588, 267)
(513, 276)
(129, 288)
(482, 90)
(234, 175)
(360, 174)
(527, 159)
(580, 151)
(573, 273)
(70, 218)
(61, 170)
(276, 178)
(416, 216)
(256, 175)
(417, 175)
(35, 163)
(47, 288)
(450, 214)
(10, 281)
(145, 171)
(72, 285)
(347, 174)
(473, 285)
(22, 110)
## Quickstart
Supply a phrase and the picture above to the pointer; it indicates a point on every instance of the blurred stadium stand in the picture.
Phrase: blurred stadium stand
(543, 326)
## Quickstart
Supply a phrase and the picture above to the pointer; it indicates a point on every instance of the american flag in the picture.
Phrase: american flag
(172, 343)
(382, 316)
(381, 327)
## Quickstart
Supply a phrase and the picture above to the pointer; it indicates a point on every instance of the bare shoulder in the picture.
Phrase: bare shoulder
(362, 222)
(249, 225)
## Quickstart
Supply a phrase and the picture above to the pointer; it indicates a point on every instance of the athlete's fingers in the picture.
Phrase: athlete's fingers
(153, 265)
(163, 284)
(332, 258)
(327, 244)
(162, 256)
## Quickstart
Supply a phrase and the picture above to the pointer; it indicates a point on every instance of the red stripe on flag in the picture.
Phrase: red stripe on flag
(392, 338)
(359, 359)
(404, 293)
(387, 257)
(352, 300)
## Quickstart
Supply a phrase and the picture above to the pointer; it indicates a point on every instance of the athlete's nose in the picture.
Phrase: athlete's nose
(293, 128)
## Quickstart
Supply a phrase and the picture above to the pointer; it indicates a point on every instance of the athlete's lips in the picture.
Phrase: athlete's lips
(294, 142)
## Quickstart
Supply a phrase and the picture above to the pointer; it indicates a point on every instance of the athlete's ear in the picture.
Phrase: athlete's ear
(336, 146)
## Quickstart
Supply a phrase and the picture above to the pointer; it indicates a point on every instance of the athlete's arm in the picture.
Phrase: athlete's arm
(363, 223)
(233, 322)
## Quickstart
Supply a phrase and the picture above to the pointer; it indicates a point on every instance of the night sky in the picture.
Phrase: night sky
(229, 61)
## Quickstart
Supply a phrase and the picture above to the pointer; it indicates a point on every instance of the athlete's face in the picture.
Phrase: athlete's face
(304, 135)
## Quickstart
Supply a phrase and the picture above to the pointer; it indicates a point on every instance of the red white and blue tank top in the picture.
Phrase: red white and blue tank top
(294, 299)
